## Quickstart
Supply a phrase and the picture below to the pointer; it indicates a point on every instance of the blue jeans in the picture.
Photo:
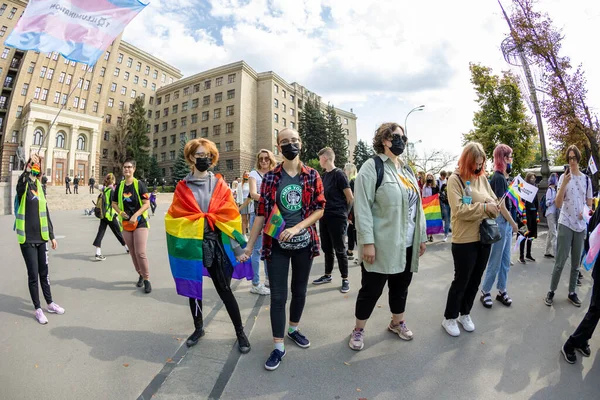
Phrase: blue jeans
(446, 217)
(499, 262)
(256, 255)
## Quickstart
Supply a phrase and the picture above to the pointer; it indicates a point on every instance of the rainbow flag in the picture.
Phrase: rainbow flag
(433, 214)
(275, 225)
(80, 30)
(516, 199)
(35, 169)
(184, 224)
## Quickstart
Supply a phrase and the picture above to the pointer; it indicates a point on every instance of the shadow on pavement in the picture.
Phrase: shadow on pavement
(16, 305)
(91, 283)
(75, 256)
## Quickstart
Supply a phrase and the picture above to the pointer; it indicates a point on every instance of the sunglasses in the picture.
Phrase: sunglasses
(397, 136)
(263, 159)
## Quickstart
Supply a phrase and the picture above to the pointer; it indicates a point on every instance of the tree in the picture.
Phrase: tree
(121, 139)
(362, 152)
(501, 118)
(154, 172)
(312, 129)
(314, 163)
(181, 168)
(433, 161)
(138, 139)
(336, 138)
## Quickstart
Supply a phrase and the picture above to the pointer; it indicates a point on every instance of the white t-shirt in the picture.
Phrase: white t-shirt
(575, 198)
(413, 198)
(256, 175)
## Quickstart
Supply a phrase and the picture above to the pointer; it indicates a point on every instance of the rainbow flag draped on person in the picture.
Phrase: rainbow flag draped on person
(80, 30)
(516, 199)
(184, 224)
(433, 214)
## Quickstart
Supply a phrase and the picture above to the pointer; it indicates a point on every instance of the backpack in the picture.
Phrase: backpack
(543, 206)
(100, 208)
(378, 170)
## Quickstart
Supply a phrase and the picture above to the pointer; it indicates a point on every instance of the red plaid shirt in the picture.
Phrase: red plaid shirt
(313, 199)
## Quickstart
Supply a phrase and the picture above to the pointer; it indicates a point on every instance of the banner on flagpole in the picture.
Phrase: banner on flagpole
(525, 190)
(592, 165)
(80, 30)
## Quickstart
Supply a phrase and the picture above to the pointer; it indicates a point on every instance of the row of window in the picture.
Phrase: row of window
(38, 139)
(291, 98)
(216, 129)
(229, 111)
(138, 67)
(135, 80)
(194, 102)
(196, 88)
(283, 107)
(284, 121)
(12, 12)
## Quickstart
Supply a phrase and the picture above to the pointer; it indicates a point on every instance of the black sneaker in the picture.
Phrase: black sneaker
(243, 342)
(299, 339)
(100, 257)
(549, 298)
(530, 258)
(585, 350)
(548, 256)
(579, 283)
(140, 282)
(579, 275)
(350, 255)
(569, 354)
(147, 286)
(322, 280)
(574, 300)
(194, 337)
(274, 360)
(522, 260)
(345, 286)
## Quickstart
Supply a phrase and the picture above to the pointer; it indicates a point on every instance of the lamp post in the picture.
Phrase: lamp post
(419, 108)
(408, 146)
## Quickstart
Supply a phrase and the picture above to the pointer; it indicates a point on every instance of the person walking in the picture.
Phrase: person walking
(243, 193)
(34, 231)
(67, 185)
(551, 215)
(499, 262)
(469, 253)
(292, 192)
(391, 229)
(574, 193)
(350, 171)
(91, 184)
(531, 219)
(109, 219)
(130, 201)
(153, 200)
(202, 199)
(76, 184)
(332, 227)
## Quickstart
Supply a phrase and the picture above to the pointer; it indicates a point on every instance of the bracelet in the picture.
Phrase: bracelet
(484, 204)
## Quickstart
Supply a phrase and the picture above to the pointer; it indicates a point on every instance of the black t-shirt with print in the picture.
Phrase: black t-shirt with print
(289, 198)
(131, 203)
(334, 184)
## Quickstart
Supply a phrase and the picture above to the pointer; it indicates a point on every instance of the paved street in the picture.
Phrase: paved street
(115, 342)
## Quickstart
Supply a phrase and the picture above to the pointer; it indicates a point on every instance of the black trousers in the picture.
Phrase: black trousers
(76, 189)
(372, 284)
(68, 189)
(92, 189)
(470, 260)
(36, 260)
(586, 328)
(278, 271)
(351, 237)
(522, 248)
(114, 227)
(332, 231)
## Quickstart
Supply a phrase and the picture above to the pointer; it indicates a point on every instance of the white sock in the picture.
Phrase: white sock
(126, 248)
(292, 329)
(279, 346)
(98, 251)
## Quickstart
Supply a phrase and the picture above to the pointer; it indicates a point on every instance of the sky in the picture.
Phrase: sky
(380, 58)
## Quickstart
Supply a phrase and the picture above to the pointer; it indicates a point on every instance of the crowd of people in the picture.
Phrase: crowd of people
(271, 215)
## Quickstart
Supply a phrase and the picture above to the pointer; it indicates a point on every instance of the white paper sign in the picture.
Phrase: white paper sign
(525, 190)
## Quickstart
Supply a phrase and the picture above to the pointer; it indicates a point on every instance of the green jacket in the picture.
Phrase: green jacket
(382, 218)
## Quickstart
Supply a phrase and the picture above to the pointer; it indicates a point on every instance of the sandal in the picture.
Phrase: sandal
(504, 299)
(486, 300)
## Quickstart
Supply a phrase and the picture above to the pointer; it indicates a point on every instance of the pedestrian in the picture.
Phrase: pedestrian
(421, 179)
(292, 192)
(109, 218)
(234, 185)
(153, 200)
(243, 193)
(391, 229)
(429, 189)
(91, 184)
(574, 194)
(34, 230)
(130, 201)
(442, 180)
(44, 183)
(201, 199)
(445, 207)
(67, 185)
(469, 253)
(265, 162)
(76, 184)
(350, 171)
(499, 262)
(551, 215)
(530, 219)
(332, 227)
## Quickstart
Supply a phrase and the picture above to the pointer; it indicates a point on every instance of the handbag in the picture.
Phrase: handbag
(488, 229)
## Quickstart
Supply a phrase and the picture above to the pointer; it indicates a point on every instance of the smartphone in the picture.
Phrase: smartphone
(567, 169)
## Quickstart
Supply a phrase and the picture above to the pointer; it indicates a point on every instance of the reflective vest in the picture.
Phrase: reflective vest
(20, 221)
(137, 192)
(109, 211)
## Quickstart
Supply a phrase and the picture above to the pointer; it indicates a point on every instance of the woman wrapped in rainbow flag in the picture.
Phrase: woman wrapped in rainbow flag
(204, 238)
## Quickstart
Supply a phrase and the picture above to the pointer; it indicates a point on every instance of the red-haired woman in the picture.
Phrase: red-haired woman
(499, 264)
(470, 255)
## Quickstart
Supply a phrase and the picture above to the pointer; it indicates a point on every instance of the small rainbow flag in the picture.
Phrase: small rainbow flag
(35, 169)
(275, 225)
(516, 199)
(433, 214)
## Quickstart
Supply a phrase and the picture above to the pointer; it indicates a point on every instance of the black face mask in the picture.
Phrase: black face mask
(508, 168)
(290, 150)
(398, 144)
(429, 180)
(477, 171)
(202, 164)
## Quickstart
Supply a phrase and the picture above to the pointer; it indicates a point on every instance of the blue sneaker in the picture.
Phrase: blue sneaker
(274, 360)
(299, 339)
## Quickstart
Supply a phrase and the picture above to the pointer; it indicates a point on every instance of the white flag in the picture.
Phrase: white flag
(592, 166)
(525, 190)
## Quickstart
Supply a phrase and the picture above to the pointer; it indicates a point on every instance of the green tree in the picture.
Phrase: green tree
(501, 118)
(154, 172)
(336, 138)
(312, 130)
(138, 138)
(121, 140)
(314, 163)
(362, 152)
(181, 168)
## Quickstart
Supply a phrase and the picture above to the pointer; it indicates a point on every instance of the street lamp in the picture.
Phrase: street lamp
(419, 108)
(408, 146)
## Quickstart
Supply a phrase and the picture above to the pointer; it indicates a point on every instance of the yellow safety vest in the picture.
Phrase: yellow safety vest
(137, 192)
(20, 222)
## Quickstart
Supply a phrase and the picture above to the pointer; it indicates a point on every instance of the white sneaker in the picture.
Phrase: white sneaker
(466, 322)
(40, 317)
(260, 289)
(451, 327)
(445, 238)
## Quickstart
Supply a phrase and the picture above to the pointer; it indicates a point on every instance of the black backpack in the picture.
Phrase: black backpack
(378, 170)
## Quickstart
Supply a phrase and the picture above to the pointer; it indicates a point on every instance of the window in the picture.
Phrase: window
(283, 93)
(111, 102)
(155, 126)
(138, 67)
(204, 115)
(153, 87)
(156, 114)
(163, 141)
(25, 88)
(229, 165)
(207, 84)
(120, 58)
(275, 103)
(119, 121)
(292, 112)
(3, 30)
(217, 113)
(172, 155)
(292, 125)
(186, 91)
(136, 79)
(121, 105)
(126, 76)
(345, 121)
(151, 100)
(175, 109)
(86, 85)
(229, 127)
(155, 74)
(79, 82)
(206, 100)
(60, 140)
(194, 118)
(216, 130)
(283, 121)
(165, 111)
(193, 134)
(43, 72)
(204, 132)
(3, 8)
(230, 94)
(81, 142)
(183, 121)
(182, 136)
(117, 71)
(5, 52)
(38, 137)
(82, 104)
(218, 97)
(36, 94)
(68, 81)
(106, 135)
(176, 95)
(144, 83)
(229, 145)
(95, 107)
(63, 100)
(167, 98)
(133, 94)
(229, 111)
(123, 90)
(164, 126)
(147, 71)
(31, 68)
(276, 88)
(107, 118)
(61, 77)
(172, 139)
(56, 97)
(54, 56)
(12, 13)
(19, 111)
(184, 106)
(282, 107)
(104, 168)
(163, 78)
(50, 74)
(107, 55)
(76, 102)
(155, 143)
(102, 71)
(173, 123)
(231, 78)
(197, 88)
(292, 98)
(163, 157)
(276, 118)
(195, 103)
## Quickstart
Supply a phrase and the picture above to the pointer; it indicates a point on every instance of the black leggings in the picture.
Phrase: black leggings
(36, 260)
(351, 236)
(332, 231)
(114, 227)
(586, 327)
(372, 285)
(278, 269)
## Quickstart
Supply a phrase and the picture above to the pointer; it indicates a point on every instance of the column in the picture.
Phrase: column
(72, 150)
(50, 143)
(93, 148)
(27, 135)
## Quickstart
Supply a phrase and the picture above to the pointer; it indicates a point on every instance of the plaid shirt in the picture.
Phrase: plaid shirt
(313, 199)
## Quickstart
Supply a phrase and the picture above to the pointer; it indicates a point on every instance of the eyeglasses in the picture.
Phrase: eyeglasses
(288, 141)
(263, 159)
(127, 166)
(510, 157)
(397, 136)
(203, 155)
(572, 158)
